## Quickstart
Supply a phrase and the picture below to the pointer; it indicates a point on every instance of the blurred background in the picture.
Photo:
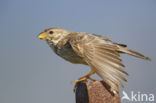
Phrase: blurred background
(31, 73)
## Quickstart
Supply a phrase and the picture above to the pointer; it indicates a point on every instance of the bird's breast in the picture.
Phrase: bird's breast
(67, 53)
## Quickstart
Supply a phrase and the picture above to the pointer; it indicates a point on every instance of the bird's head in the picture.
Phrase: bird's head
(53, 35)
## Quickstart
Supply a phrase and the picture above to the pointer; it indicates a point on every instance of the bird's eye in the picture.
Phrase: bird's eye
(51, 32)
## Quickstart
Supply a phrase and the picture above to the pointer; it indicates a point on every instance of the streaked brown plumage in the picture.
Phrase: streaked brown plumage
(99, 52)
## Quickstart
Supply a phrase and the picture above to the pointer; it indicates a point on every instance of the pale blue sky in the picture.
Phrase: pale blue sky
(31, 73)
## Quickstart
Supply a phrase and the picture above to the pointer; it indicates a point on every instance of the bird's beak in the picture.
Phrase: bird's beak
(42, 36)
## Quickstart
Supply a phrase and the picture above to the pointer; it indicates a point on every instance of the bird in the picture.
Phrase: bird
(98, 52)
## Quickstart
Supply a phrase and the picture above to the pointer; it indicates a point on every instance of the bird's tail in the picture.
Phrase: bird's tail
(131, 52)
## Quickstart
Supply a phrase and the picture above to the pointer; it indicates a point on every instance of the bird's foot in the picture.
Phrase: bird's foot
(82, 79)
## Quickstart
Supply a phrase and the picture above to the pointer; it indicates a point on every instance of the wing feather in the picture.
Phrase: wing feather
(102, 56)
(111, 66)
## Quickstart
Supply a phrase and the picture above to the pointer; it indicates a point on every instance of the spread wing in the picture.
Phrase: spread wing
(102, 56)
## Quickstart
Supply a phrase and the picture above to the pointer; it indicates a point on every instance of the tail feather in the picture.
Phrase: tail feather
(133, 53)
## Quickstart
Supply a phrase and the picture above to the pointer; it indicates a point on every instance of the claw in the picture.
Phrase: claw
(81, 79)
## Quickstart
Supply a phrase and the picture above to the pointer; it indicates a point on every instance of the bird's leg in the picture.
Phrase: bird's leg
(84, 78)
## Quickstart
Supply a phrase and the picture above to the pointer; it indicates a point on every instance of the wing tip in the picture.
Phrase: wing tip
(147, 58)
